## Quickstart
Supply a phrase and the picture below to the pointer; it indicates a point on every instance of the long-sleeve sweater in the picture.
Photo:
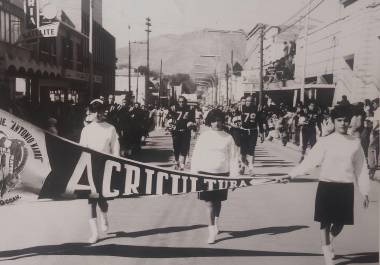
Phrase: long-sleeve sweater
(215, 152)
(341, 158)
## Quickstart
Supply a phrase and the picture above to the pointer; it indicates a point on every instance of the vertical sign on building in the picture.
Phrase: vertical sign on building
(31, 12)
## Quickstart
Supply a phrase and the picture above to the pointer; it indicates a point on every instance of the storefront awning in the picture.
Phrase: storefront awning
(19, 60)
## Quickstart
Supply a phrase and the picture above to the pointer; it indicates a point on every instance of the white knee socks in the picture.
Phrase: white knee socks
(94, 231)
(328, 255)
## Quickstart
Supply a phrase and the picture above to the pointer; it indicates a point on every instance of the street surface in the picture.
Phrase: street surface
(269, 224)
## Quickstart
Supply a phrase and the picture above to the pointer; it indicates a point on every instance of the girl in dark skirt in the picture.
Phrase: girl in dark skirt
(215, 153)
(342, 162)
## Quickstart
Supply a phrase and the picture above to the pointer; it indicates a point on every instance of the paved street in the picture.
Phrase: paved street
(268, 224)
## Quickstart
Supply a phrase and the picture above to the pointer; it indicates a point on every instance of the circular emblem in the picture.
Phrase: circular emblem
(13, 156)
(49, 11)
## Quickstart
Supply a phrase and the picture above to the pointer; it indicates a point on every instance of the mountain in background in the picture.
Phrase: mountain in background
(180, 53)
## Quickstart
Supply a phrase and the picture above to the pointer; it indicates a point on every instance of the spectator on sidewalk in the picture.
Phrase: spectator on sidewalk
(344, 101)
(52, 126)
(374, 148)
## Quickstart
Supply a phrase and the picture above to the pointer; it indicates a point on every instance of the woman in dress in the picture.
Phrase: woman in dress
(102, 137)
(215, 153)
(342, 162)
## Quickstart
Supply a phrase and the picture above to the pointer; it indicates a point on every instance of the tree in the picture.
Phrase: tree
(142, 69)
(236, 70)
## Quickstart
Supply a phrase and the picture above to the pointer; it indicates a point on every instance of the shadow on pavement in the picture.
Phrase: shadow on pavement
(277, 165)
(270, 175)
(358, 258)
(267, 230)
(156, 231)
(140, 252)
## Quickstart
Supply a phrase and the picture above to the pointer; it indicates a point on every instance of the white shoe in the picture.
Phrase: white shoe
(331, 246)
(211, 234)
(332, 251)
(103, 222)
(250, 171)
(94, 231)
(327, 255)
(216, 226)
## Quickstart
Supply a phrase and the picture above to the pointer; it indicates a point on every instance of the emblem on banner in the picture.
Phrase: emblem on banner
(13, 157)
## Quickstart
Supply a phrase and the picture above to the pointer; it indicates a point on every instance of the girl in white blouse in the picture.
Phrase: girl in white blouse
(102, 137)
(215, 153)
(342, 162)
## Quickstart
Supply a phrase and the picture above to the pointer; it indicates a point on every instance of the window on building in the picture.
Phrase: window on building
(7, 27)
(349, 59)
(2, 25)
(15, 28)
(67, 45)
(10, 27)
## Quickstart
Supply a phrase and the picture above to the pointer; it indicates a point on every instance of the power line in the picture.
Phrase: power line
(298, 12)
(302, 17)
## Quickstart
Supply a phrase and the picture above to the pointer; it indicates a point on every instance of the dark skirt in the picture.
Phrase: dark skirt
(214, 195)
(334, 203)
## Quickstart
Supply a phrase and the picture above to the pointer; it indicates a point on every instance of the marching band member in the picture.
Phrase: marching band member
(183, 120)
(250, 120)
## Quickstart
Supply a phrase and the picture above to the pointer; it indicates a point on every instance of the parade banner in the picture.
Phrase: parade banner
(38, 165)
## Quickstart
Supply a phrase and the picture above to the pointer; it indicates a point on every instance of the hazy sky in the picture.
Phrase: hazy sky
(179, 16)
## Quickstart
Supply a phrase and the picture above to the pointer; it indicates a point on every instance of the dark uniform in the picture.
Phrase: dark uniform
(251, 122)
(112, 113)
(235, 123)
(181, 134)
(309, 131)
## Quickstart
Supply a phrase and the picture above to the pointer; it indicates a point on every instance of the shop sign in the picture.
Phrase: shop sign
(70, 74)
(31, 12)
(46, 31)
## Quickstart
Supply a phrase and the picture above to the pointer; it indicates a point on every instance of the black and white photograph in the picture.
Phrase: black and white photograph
(185, 132)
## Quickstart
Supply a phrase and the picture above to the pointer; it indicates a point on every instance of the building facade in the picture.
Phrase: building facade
(336, 52)
(54, 67)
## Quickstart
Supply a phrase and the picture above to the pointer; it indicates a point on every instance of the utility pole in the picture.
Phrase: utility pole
(232, 73)
(129, 61)
(261, 65)
(227, 76)
(148, 25)
(90, 50)
(307, 22)
(159, 89)
(137, 87)
(216, 84)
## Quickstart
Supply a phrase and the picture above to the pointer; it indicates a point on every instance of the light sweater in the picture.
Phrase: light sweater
(101, 137)
(215, 152)
(341, 158)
